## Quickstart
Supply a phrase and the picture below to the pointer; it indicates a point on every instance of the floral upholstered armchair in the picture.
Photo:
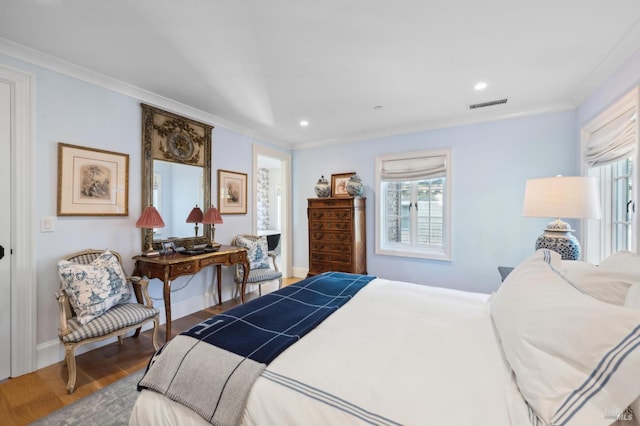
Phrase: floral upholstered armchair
(260, 271)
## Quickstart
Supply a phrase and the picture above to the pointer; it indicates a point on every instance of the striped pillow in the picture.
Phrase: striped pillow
(576, 359)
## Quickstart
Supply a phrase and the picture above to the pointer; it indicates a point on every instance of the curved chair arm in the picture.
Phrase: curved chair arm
(272, 254)
(143, 283)
(63, 304)
(275, 253)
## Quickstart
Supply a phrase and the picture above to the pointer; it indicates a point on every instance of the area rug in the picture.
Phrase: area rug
(110, 406)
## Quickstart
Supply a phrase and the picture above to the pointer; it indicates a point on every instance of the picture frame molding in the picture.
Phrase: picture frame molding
(238, 181)
(75, 200)
(337, 181)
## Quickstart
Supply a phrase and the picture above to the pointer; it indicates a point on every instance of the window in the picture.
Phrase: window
(610, 153)
(617, 205)
(413, 211)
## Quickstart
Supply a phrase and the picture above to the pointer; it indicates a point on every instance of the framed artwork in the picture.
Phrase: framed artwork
(339, 184)
(168, 247)
(232, 192)
(92, 182)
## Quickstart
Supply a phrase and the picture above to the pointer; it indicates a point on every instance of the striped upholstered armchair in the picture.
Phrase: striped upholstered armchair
(95, 303)
(260, 271)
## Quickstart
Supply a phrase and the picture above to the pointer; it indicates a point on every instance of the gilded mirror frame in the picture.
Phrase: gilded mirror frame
(170, 137)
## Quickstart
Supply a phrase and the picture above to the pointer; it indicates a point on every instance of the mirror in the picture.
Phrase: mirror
(176, 175)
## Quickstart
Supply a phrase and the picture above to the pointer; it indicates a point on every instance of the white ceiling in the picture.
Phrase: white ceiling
(259, 67)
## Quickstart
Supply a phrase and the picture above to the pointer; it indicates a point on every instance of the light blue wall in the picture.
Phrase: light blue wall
(491, 163)
(75, 112)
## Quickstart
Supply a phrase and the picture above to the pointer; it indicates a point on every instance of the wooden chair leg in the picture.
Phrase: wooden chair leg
(154, 333)
(70, 360)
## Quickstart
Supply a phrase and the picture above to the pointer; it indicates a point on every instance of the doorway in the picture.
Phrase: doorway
(5, 229)
(272, 199)
(17, 121)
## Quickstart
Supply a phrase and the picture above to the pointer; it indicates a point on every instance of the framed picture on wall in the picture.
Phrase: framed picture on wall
(339, 184)
(92, 182)
(232, 192)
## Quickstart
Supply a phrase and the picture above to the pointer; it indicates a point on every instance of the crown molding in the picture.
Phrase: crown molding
(40, 59)
(618, 55)
(435, 125)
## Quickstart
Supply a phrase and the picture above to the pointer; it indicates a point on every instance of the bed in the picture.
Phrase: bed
(541, 350)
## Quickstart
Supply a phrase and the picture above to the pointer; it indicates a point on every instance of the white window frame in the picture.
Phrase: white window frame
(406, 250)
(596, 235)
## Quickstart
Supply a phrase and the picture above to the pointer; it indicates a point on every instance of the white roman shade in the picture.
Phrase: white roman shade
(415, 168)
(614, 141)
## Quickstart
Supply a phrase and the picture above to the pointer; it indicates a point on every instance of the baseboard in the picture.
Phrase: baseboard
(299, 272)
(51, 352)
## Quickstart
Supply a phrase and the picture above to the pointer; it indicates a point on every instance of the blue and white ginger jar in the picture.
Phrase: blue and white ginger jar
(322, 188)
(355, 186)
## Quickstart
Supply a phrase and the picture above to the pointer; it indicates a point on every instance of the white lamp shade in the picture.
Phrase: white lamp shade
(562, 196)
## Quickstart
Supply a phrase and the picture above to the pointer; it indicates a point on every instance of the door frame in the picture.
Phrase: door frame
(286, 219)
(23, 270)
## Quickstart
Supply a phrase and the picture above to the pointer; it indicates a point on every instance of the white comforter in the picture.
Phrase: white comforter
(398, 353)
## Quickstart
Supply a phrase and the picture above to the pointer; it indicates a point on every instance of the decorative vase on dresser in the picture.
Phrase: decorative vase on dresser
(337, 235)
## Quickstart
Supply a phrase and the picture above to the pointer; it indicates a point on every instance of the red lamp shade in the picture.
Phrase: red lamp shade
(212, 216)
(195, 216)
(150, 218)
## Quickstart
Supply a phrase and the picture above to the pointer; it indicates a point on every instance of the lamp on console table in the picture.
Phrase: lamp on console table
(212, 216)
(195, 217)
(150, 219)
(573, 197)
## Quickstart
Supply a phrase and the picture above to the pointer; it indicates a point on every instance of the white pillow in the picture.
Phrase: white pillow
(574, 357)
(94, 288)
(633, 298)
(608, 282)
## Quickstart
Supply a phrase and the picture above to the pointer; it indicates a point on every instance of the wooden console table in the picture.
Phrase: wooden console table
(169, 267)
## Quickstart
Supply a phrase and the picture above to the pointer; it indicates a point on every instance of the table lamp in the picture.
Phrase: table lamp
(150, 219)
(195, 217)
(212, 216)
(574, 197)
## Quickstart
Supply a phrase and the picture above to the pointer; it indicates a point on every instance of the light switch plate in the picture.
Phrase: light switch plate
(46, 224)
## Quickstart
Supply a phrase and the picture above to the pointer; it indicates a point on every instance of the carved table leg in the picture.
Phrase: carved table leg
(245, 275)
(219, 280)
(167, 304)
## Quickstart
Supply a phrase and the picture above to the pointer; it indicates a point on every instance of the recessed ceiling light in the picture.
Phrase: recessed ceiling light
(378, 107)
(304, 123)
(481, 85)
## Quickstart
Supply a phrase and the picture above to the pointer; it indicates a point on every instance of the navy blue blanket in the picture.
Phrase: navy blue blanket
(264, 327)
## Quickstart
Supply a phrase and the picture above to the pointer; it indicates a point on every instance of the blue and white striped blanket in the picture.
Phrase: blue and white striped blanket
(211, 367)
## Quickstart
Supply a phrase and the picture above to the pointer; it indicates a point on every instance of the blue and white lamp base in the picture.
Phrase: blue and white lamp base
(558, 237)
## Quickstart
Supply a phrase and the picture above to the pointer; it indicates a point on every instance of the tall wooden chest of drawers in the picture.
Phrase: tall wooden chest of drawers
(337, 235)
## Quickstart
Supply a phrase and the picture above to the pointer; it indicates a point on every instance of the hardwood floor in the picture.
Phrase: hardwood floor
(27, 398)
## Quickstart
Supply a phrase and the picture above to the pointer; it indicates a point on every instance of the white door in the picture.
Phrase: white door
(5, 231)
